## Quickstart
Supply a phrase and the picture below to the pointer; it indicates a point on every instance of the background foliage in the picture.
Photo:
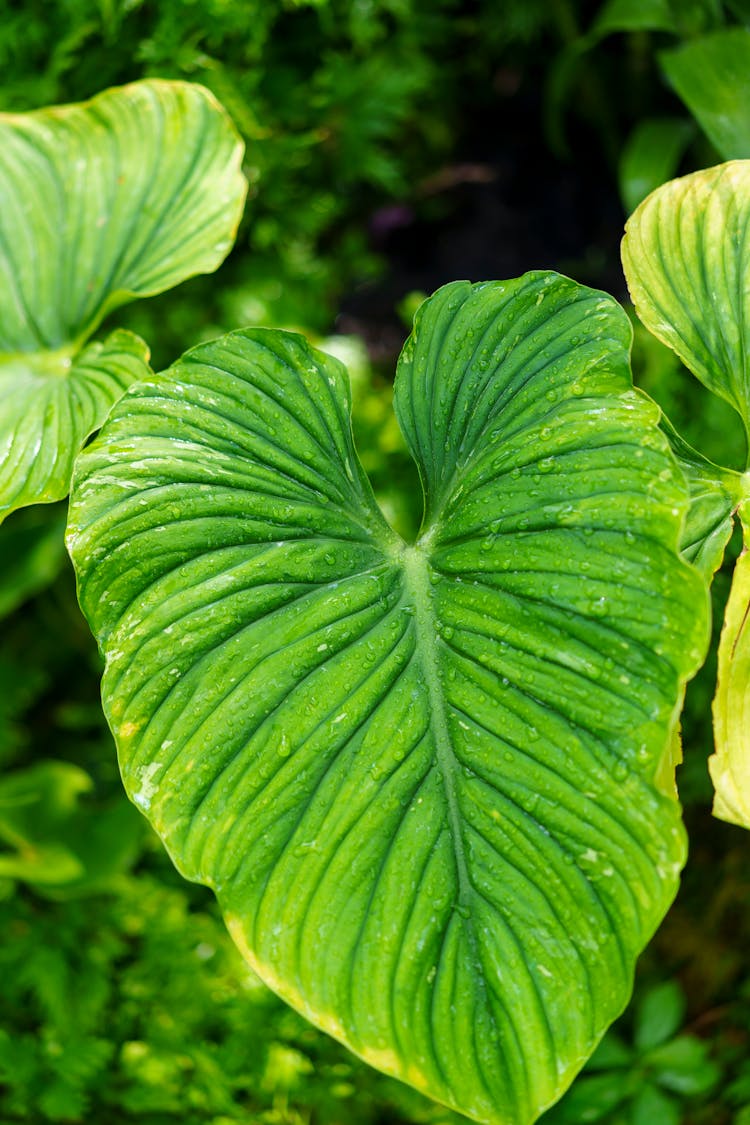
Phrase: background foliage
(392, 145)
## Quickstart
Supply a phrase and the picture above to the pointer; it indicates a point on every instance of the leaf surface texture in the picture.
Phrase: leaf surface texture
(431, 784)
(686, 254)
(120, 197)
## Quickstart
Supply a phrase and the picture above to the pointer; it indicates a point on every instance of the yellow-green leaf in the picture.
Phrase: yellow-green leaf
(50, 404)
(117, 198)
(715, 493)
(686, 254)
(730, 764)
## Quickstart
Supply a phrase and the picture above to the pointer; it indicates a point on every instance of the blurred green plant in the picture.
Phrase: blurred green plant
(134, 1006)
(122, 998)
(50, 842)
(645, 1071)
(343, 107)
(700, 49)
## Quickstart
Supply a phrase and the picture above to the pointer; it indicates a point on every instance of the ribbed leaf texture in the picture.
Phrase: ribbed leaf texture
(120, 197)
(431, 784)
(686, 254)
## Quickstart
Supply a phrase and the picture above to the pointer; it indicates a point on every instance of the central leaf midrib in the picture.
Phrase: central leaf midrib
(416, 570)
(416, 566)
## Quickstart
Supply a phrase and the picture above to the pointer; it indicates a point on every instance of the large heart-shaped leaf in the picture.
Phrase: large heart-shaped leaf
(686, 254)
(431, 784)
(121, 197)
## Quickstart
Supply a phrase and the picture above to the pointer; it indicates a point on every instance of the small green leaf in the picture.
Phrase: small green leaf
(710, 73)
(105, 842)
(651, 155)
(117, 198)
(32, 554)
(652, 1107)
(686, 254)
(60, 847)
(431, 784)
(730, 764)
(42, 864)
(592, 1098)
(40, 797)
(683, 1066)
(49, 406)
(611, 1054)
(634, 15)
(715, 494)
(36, 805)
(659, 1015)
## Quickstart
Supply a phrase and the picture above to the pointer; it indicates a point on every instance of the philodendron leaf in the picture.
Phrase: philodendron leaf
(715, 494)
(686, 254)
(730, 764)
(431, 783)
(117, 198)
(48, 407)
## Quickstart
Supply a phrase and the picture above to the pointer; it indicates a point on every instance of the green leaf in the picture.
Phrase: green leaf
(660, 1014)
(715, 494)
(56, 844)
(105, 841)
(611, 1054)
(32, 554)
(709, 73)
(730, 764)
(36, 805)
(650, 1106)
(42, 864)
(683, 1066)
(48, 407)
(634, 15)
(123, 196)
(593, 1098)
(117, 198)
(651, 155)
(431, 784)
(686, 255)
